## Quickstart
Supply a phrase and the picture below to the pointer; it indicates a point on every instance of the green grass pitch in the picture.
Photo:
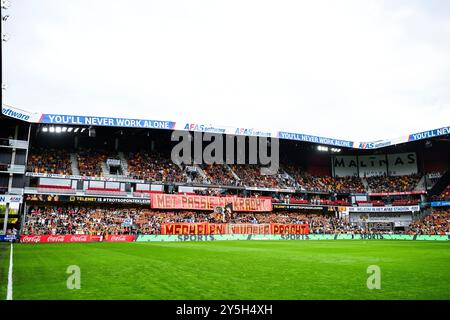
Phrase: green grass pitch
(253, 270)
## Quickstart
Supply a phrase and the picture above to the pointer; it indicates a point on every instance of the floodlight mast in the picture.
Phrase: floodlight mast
(4, 5)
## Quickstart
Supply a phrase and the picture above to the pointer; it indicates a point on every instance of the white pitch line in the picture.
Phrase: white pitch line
(9, 294)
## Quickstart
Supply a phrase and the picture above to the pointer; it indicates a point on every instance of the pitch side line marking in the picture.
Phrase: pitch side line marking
(9, 295)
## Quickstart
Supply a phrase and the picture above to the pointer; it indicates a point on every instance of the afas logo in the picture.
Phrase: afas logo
(244, 131)
(10, 199)
(202, 128)
(374, 145)
(15, 114)
(252, 132)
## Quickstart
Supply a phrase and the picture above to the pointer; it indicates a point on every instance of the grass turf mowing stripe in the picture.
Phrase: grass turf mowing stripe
(9, 290)
(234, 270)
(4, 265)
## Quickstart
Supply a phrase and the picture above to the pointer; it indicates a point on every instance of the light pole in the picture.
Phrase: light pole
(5, 4)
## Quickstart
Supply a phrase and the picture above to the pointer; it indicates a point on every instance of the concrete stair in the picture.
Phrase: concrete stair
(421, 184)
(233, 173)
(202, 173)
(74, 164)
(124, 164)
(365, 184)
(105, 169)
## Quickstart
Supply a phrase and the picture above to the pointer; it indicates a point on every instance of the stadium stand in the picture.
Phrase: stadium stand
(436, 223)
(384, 184)
(304, 180)
(154, 167)
(445, 195)
(250, 175)
(309, 189)
(344, 184)
(49, 161)
(90, 162)
(219, 174)
(80, 220)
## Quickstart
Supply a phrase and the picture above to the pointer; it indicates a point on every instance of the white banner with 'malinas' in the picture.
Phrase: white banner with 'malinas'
(396, 164)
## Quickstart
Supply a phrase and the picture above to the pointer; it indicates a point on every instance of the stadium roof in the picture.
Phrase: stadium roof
(353, 71)
(62, 119)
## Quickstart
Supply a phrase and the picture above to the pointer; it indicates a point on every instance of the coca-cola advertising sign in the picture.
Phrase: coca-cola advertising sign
(119, 238)
(58, 238)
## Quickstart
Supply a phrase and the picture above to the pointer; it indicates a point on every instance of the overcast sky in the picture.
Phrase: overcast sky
(351, 69)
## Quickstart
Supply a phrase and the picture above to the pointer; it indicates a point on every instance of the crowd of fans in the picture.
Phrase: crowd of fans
(436, 223)
(79, 220)
(444, 195)
(250, 175)
(219, 174)
(344, 184)
(154, 167)
(104, 221)
(49, 161)
(90, 162)
(96, 221)
(194, 176)
(385, 184)
(305, 181)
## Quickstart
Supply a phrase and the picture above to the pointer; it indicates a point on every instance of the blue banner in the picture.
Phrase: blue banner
(8, 237)
(105, 121)
(429, 134)
(315, 139)
(440, 203)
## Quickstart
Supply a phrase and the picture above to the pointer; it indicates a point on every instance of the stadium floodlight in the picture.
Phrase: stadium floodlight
(5, 17)
(76, 130)
(335, 150)
(64, 129)
(92, 132)
(84, 129)
(5, 37)
(70, 129)
(52, 129)
(44, 129)
(322, 148)
(58, 130)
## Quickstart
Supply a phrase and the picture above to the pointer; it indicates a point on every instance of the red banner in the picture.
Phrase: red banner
(192, 228)
(119, 238)
(231, 228)
(277, 228)
(57, 238)
(248, 228)
(197, 202)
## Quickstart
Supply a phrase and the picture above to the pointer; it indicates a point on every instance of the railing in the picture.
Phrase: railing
(11, 143)
(12, 168)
